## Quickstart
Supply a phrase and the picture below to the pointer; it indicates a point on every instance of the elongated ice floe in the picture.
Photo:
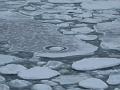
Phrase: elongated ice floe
(67, 1)
(108, 4)
(93, 83)
(95, 63)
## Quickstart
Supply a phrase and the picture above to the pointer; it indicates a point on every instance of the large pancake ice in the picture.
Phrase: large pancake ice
(41, 38)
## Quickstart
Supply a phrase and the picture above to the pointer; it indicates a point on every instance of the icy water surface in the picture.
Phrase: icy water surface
(59, 44)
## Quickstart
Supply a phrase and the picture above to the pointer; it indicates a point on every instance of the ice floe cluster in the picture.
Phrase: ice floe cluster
(59, 44)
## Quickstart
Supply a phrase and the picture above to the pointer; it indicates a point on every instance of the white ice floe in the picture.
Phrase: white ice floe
(38, 73)
(86, 37)
(82, 30)
(92, 20)
(12, 69)
(2, 79)
(54, 64)
(111, 42)
(19, 83)
(114, 79)
(95, 63)
(70, 79)
(66, 1)
(74, 88)
(4, 87)
(10, 15)
(33, 1)
(56, 16)
(29, 8)
(106, 72)
(82, 48)
(41, 87)
(111, 38)
(93, 83)
(104, 27)
(48, 82)
(108, 4)
(63, 24)
(83, 15)
(117, 89)
(4, 59)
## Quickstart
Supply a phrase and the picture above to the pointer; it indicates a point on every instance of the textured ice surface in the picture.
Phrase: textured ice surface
(86, 30)
(34, 36)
